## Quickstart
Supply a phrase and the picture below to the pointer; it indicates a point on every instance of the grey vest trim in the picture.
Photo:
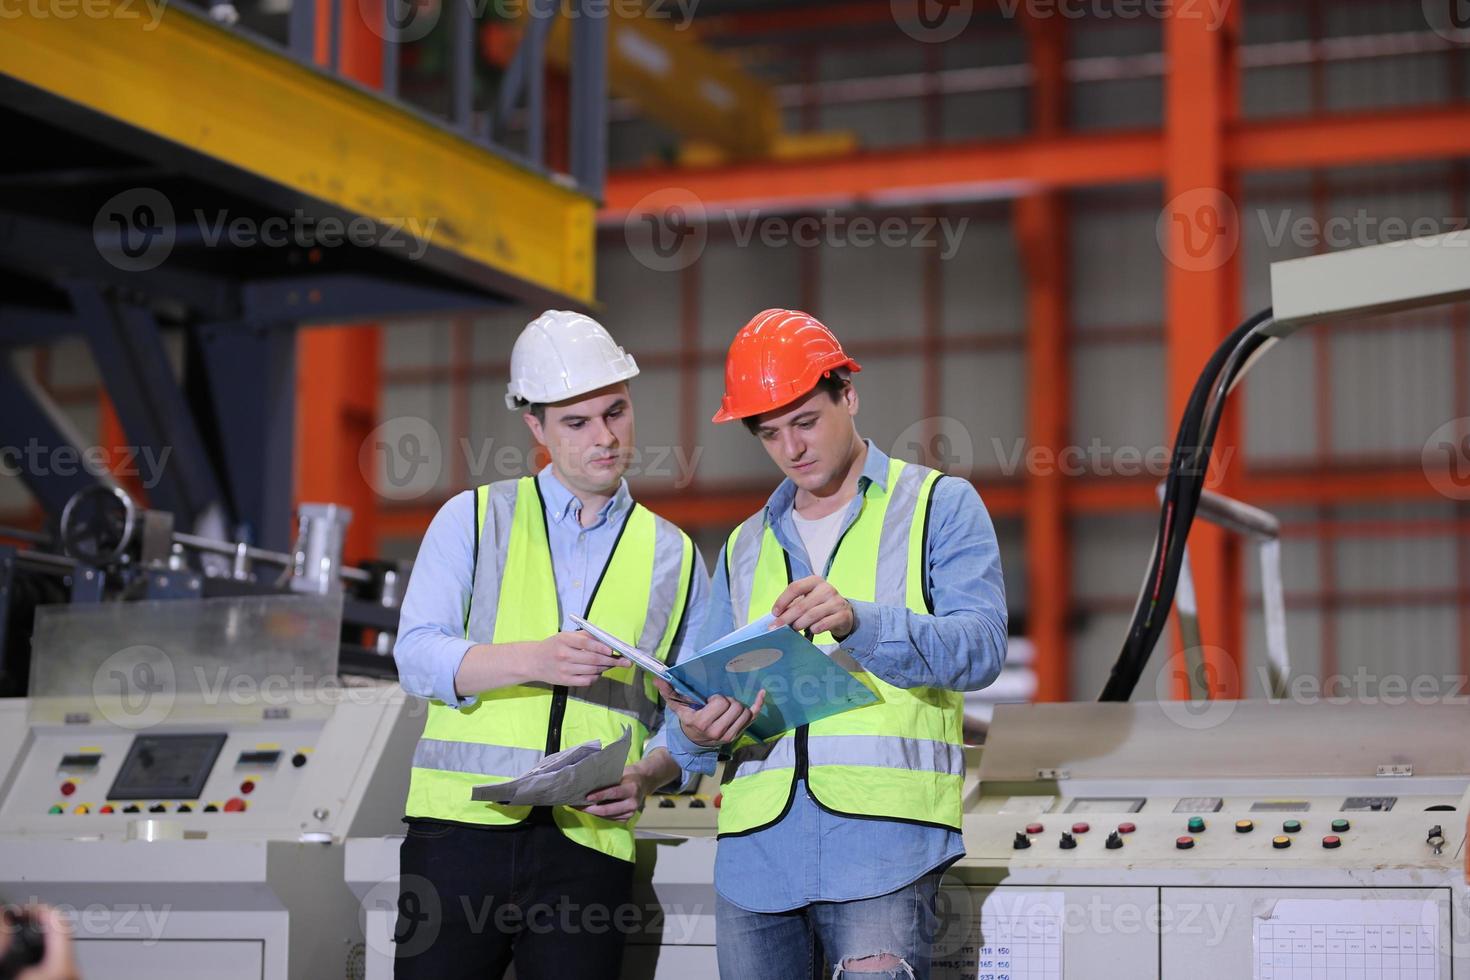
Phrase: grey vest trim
(474, 757)
(880, 751)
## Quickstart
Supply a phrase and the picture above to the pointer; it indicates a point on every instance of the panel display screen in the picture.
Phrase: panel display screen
(1106, 804)
(166, 767)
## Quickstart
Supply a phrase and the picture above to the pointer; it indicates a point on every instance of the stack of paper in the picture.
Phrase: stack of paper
(563, 778)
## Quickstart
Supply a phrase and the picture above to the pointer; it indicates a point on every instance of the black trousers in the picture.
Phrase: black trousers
(473, 900)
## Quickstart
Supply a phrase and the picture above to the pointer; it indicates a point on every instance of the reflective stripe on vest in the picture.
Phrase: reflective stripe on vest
(899, 759)
(851, 750)
(642, 592)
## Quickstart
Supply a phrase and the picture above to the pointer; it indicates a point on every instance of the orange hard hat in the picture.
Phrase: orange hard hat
(776, 358)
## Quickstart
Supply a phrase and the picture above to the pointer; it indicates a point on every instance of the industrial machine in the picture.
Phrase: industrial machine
(1246, 840)
(183, 780)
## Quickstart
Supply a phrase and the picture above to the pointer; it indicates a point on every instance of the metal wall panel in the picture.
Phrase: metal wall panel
(984, 286)
(1110, 555)
(738, 281)
(1391, 389)
(985, 392)
(641, 306)
(1117, 275)
(873, 292)
(1405, 642)
(1118, 398)
(418, 344)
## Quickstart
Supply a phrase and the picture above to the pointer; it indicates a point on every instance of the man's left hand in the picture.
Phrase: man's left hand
(813, 604)
(621, 800)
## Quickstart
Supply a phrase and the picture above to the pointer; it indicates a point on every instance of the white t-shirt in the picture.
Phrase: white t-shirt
(819, 536)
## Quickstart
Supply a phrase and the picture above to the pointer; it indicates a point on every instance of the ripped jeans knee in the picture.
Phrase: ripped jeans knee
(874, 965)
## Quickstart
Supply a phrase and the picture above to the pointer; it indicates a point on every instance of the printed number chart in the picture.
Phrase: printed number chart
(1021, 937)
(1348, 939)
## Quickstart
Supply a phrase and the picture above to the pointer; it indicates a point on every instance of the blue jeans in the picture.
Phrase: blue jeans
(886, 936)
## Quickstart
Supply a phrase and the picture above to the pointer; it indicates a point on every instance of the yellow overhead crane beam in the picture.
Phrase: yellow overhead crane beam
(175, 75)
(707, 98)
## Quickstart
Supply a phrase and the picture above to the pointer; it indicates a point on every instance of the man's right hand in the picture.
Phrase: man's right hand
(571, 659)
(719, 722)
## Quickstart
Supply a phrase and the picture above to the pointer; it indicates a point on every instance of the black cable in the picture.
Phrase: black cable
(1183, 486)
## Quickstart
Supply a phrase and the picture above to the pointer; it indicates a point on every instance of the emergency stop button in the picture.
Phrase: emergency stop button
(234, 805)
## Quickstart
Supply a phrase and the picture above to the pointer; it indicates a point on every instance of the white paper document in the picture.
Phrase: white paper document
(1021, 936)
(563, 778)
(1362, 939)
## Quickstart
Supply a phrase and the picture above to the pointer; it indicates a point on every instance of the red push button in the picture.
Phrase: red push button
(1034, 828)
(1184, 843)
(1126, 828)
(1331, 841)
(68, 788)
(1080, 828)
(719, 798)
(234, 805)
(106, 809)
(247, 787)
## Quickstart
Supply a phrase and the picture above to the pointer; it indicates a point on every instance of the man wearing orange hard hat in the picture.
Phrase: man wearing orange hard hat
(833, 836)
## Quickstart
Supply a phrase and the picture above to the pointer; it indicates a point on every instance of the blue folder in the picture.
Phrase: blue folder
(802, 683)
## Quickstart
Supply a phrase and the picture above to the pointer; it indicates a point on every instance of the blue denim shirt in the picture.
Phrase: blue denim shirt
(813, 855)
(431, 641)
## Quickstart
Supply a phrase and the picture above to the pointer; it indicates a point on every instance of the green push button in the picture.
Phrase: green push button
(1292, 826)
(1339, 825)
(55, 809)
(1196, 825)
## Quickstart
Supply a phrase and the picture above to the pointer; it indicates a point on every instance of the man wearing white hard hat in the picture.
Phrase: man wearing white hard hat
(485, 636)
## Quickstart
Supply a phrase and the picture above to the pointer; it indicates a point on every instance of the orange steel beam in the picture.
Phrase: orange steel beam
(1008, 168)
(698, 507)
(1200, 294)
(114, 441)
(1341, 140)
(1001, 168)
(337, 367)
(1041, 230)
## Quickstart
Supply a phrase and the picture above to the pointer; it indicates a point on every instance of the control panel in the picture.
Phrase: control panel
(325, 769)
(1269, 841)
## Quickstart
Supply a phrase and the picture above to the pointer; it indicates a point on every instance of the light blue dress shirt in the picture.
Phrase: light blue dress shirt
(431, 641)
(814, 855)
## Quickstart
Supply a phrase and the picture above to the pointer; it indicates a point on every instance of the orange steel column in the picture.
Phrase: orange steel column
(337, 367)
(114, 441)
(1042, 235)
(1200, 232)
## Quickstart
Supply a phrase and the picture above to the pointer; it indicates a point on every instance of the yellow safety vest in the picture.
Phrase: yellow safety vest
(901, 758)
(641, 596)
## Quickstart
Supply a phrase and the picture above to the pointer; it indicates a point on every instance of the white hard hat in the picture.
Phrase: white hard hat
(561, 355)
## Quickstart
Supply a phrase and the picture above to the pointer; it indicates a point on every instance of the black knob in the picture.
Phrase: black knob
(298, 760)
(184, 808)
(1021, 842)
(211, 808)
(1068, 841)
(1114, 841)
(665, 804)
(696, 804)
(1435, 831)
(158, 808)
(131, 808)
